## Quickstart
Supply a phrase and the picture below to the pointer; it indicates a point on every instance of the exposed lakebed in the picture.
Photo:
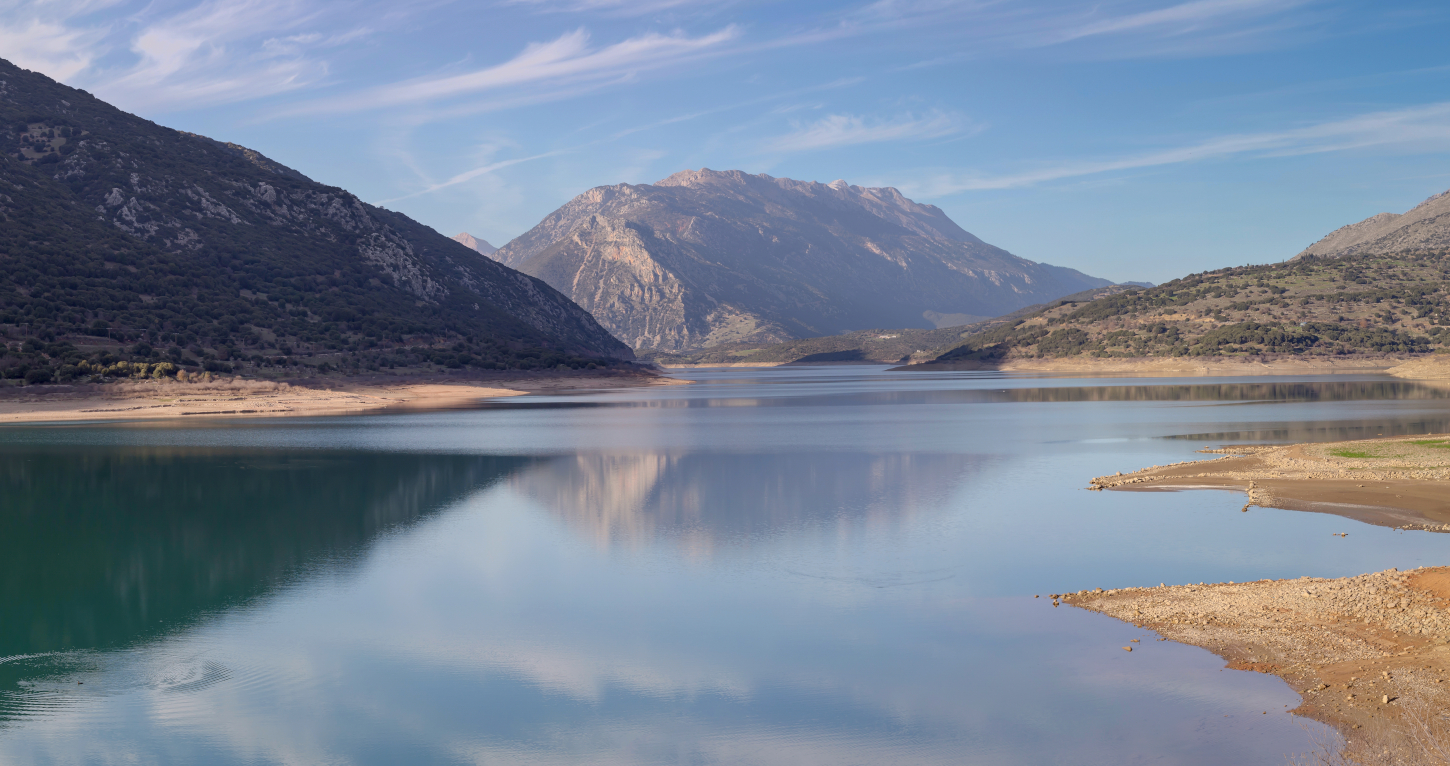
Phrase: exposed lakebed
(825, 565)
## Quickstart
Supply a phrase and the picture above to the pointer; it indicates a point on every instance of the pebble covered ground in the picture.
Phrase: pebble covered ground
(1356, 648)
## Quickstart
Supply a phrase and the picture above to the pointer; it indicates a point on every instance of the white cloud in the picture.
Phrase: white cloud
(164, 55)
(566, 59)
(48, 37)
(1419, 128)
(849, 130)
(219, 51)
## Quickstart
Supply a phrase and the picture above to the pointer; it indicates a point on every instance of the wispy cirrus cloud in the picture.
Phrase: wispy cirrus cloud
(611, 7)
(839, 130)
(1419, 128)
(1115, 28)
(568, 59)
(1184, 19)
(469, 175)
(170, 54)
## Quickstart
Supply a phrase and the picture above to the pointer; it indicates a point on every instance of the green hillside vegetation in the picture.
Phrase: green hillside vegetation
(124, 241)
(1311, 306)
(899, 346)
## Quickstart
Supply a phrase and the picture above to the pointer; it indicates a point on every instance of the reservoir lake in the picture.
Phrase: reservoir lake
(800, 565)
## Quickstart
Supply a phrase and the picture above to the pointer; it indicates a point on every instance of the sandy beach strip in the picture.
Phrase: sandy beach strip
(241, 398)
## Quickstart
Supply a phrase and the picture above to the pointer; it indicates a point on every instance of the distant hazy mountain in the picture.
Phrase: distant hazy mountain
(878, 346)
(1426, 227)
(704, 257)
(474, 243)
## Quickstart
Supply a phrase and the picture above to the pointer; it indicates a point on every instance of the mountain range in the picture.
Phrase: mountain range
(118, 228)
(704, 258)
(126, 240)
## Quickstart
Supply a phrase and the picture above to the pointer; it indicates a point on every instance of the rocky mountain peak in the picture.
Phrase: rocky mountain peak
(885, 202)
(706, 257)
(1424, 227)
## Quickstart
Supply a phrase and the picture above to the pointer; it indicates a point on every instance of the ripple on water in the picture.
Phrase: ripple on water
(34, 685)
(189, 676)
(39, 685)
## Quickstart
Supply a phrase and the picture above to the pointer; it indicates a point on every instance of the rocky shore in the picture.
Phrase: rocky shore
(1359, 649)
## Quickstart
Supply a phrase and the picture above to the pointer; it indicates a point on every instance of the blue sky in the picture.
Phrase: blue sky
(1131, 139)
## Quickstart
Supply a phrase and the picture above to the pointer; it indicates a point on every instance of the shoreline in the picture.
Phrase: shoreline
(1401, 482)
(1361, 651)
(772, 364)
(1427, 367)
(250, 398)
(1370, 655)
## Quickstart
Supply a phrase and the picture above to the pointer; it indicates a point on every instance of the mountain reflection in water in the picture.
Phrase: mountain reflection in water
(769, 566)
(106, 547)
(1260, 392)
(703, 500)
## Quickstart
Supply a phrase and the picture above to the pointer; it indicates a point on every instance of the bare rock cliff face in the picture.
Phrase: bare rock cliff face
(1426, 227)
(705, 257)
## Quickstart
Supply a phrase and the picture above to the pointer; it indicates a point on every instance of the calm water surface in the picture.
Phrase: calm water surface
(818, 566)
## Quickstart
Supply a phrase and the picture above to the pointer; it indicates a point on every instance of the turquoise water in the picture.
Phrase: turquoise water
(793, 566)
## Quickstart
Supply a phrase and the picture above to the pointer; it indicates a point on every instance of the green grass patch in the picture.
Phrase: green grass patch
(1351, 453)
(1436, 443)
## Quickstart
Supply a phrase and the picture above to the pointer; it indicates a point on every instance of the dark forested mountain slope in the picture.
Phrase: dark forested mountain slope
(705, 258)
(111, 225)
